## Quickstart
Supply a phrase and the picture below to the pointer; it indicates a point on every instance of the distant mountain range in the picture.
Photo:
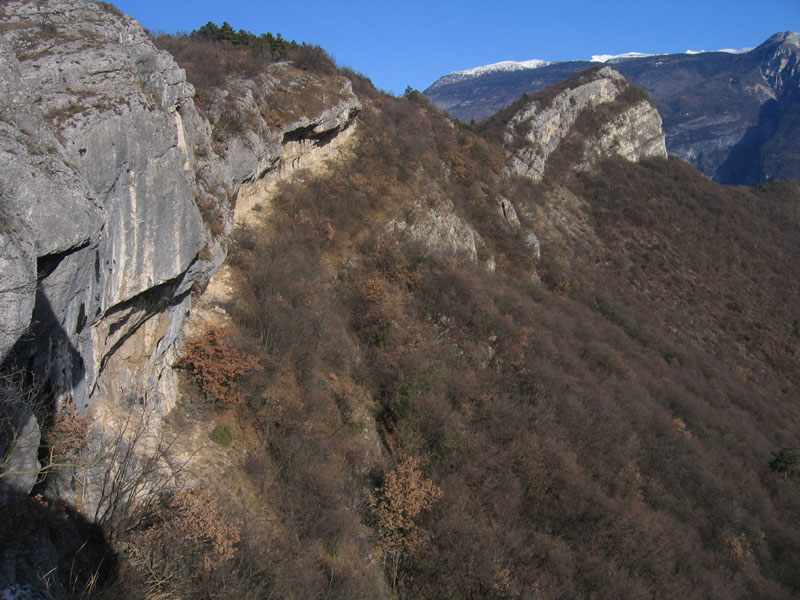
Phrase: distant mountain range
(735, 115)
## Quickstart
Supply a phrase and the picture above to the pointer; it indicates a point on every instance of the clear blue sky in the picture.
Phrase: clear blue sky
(414, 42)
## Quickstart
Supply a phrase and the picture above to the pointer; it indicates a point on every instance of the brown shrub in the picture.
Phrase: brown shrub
(185, 541)
(215, 366)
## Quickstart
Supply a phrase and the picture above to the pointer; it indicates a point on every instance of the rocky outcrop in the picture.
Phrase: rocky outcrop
(571, 127)
(117, 196)
(628, 127)
(779, 59)
(282, 120)
(18, 277)
(634, 134)
(438, 227)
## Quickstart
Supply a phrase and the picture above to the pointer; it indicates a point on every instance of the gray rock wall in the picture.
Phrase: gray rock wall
(111, 198)
(103, 161)
(594, 116)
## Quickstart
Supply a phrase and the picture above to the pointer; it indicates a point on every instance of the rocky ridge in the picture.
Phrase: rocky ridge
(731, 115)
(288, 119)
(539, 128)
(562, 131)
(98, 124)
(368, 303)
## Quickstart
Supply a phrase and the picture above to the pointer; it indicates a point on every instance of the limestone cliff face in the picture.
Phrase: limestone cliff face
(111, 204)
(105, 163)
(631, 128)
(438, 226)
(572, 127)
(634, 134)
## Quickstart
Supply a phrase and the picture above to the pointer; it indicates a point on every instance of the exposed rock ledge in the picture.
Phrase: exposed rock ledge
(633, 130)
(292, 119)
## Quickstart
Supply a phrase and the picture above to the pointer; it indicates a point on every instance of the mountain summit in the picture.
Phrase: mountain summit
(732, 115)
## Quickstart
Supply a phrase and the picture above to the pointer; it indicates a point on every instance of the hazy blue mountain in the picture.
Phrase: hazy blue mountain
(734, 116)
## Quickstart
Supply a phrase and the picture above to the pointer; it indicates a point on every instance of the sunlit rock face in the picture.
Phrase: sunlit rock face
(630, 127)
(98, 178)
(105, 165)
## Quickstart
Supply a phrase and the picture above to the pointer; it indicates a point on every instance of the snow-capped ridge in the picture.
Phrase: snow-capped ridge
(612, 58)
(506, 65)
(604, 58)
(727, 50)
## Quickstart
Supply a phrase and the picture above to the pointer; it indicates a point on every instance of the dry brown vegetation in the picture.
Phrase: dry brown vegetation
(606, 433)
(598, 427)
(210, 61)
(214, 366)
(606, 436)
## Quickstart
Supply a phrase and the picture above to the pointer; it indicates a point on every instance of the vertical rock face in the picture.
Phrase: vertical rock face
(624, 124)
(95, 170)
(634, 134)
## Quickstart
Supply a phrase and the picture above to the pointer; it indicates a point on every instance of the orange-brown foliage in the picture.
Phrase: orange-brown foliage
(405, 493)
(215, 366)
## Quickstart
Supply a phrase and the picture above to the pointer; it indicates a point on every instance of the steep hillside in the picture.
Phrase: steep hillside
(534, 360)
(727, 114)
(593, 373)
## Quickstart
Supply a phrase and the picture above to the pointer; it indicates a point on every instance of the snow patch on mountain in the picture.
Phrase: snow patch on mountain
(613, 58)
(604, 58)
(728, 50)
(506, 65)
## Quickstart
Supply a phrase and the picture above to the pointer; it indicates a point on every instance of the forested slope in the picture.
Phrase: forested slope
(423, 374)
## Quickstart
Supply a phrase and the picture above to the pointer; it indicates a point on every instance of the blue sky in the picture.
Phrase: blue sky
(414, 42)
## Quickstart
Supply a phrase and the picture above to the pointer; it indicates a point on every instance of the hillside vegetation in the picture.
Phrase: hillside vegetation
(411, 402)
(597, 423)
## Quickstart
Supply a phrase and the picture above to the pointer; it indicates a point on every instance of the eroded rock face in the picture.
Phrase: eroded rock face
(437, 226)
(541, 126)
(101, 232)
(99, 166)
(595, 115)
(634, 134)
(109, 96)
(18, 281)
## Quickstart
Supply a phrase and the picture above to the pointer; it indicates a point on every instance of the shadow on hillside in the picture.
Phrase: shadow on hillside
(44, 357)
(743, 165)
(50, 549)
(47, 548)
